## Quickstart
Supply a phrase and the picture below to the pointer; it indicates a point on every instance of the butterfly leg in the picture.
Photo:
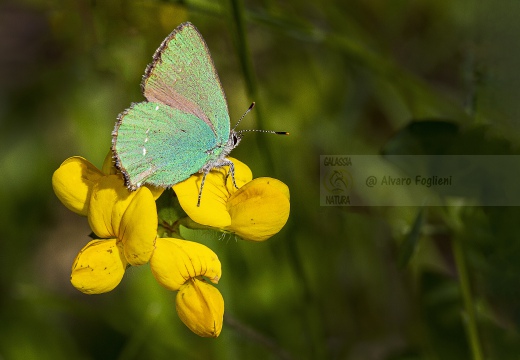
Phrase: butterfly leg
(231, 171)
(201, 187)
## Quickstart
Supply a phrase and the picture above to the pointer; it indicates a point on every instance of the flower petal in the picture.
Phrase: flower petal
(201, 308)
(175, 261)
(217, 190)
(73, 183)
(109, 167)
(212, 209)
(109, 201)
(156, 191)
(99, 267)
(138, 228)
(259, 209)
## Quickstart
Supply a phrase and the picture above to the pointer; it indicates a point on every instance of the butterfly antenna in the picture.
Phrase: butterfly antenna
(264, 131)
(243, 116)
(248, 130)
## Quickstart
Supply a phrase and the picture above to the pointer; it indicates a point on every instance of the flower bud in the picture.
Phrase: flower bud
(201, 307)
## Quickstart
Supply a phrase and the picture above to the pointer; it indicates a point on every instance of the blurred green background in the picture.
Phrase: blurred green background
(343, 77)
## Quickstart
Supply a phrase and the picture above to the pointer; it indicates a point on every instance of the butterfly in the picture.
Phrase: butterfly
(183, 128)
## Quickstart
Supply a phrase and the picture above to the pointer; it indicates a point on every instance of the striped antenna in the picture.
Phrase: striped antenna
(243, 116)
(264, 131)
(248, 130)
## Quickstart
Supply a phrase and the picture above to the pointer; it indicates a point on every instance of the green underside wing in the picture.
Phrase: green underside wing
(183, 126)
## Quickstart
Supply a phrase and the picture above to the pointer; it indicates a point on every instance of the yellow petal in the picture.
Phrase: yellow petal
(138, 227)
(99, 267)
(259, 209)
(109, 201)
(73, 183)
(201, 308)
(109, 167)
(175, 261)
(212, 210)
(156, 191)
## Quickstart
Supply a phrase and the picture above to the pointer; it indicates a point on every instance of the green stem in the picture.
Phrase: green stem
(256, 336)
(242, 44)
(246, 63)
(469, 318)
(190, 224)
(173, 230)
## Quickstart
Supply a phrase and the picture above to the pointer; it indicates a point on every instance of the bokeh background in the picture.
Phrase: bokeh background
(343, 77)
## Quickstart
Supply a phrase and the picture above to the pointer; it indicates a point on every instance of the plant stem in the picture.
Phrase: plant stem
(469, 318)
(238, 15)
(259, 338)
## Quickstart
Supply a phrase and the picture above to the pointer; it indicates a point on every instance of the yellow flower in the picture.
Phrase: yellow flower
(124, 221)
(99, 267)
(127, 224)
(179, 265)
(175, 261)
(256, 211)
(73, 183)
(201, 308)
(75, 178)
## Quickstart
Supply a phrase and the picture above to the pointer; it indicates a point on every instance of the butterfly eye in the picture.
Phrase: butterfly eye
(235, 139)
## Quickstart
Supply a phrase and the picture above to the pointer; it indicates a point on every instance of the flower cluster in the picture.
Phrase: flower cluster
(125, 225)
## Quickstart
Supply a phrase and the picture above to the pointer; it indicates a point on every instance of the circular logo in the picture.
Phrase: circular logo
(337, 181)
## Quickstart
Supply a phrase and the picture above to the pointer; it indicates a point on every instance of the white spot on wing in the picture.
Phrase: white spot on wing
(156, 108)
(144, 151)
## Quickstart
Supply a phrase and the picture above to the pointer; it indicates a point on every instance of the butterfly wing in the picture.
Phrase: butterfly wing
(182, 76)
(160, 145)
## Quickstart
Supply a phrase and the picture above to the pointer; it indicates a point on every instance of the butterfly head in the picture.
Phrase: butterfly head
(234, 138)
(233, 141)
